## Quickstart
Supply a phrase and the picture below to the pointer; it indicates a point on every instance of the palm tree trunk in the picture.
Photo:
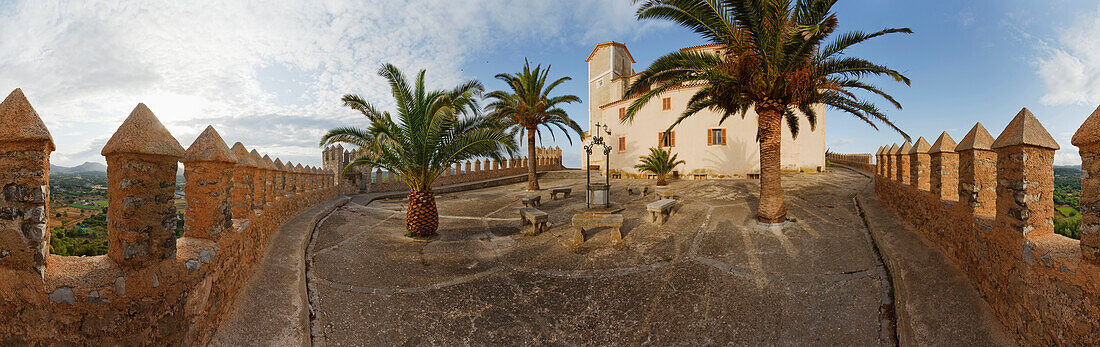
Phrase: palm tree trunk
(532, 171)
(422, 218)
(661, 180)
(772, 208)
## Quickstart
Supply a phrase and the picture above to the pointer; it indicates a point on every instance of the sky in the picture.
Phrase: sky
(270, 74)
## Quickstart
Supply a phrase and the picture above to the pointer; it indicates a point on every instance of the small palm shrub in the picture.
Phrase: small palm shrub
(659, 162)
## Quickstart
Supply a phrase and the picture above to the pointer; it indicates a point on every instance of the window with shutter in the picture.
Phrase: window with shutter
(622, 113)
(666, 104)
(622, 144)
(716, 137)
(672, 142)
(665, 139)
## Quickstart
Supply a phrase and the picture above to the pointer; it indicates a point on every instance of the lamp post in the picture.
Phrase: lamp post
(598, 195)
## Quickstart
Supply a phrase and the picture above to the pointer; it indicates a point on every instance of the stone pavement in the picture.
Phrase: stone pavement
(272, 309)
(937, 303)
(710, 275)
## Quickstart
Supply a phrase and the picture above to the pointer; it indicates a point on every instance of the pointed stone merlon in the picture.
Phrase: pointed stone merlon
(1025, 177)
(25, 144)
(902, 175)
(977, 173)
(879, 165)
(280, 180)
(208, 167)
(944, 182)
(291, 180)
(243, 171)
(920, 163)
(271, 173)
(1087, 140)
(892, 162)
(142, 158)
(259, 180)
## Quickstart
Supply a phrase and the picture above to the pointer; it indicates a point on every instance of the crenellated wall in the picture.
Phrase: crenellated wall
(151, 287)
(988, 204)
(863, 162)
(336, 158)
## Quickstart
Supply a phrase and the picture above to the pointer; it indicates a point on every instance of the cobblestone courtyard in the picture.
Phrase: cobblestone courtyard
(710, 275)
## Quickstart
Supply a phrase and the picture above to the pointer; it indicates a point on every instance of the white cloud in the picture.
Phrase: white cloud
(252, 68)
(1070, 67)
(1067, 157)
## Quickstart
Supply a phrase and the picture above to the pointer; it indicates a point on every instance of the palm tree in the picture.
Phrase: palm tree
(659, 162)
(433, 130)
(529, 106)
(773, 59)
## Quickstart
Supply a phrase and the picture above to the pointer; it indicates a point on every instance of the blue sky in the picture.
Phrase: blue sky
(270, 75)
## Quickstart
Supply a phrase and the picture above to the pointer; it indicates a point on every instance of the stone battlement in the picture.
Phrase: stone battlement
(150, 286)
(987, 203)
(336, 158)
(862, 161)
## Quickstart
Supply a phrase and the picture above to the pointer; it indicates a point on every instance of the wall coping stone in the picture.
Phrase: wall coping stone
(243, 158)
(921, 147)
(268, 164)
(1089, 132)
(209, 147)
(142, 133)
(1025, 130)
(944, 144)
(893, 149)
(905, 148)
(20, 122)
(977, 138)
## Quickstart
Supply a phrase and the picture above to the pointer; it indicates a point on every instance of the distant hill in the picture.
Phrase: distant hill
(87, 167)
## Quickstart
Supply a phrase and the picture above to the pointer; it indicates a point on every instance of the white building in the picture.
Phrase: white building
(710, 150)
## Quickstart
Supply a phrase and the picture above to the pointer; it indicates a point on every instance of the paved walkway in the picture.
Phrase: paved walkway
(937, 303)
(709, 276)
(272, 309)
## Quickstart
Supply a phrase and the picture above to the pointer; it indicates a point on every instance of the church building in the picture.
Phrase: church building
(710, 150)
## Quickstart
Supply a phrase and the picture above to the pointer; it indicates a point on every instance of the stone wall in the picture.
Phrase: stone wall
(151, 287)
(989, 206)
(548, 159)
(862, 162)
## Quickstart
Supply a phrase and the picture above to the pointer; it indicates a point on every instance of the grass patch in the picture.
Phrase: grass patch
(86, 207)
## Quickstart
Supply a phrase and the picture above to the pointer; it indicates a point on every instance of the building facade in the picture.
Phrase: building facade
(709, 149)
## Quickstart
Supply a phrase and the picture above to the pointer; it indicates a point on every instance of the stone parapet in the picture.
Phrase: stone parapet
(862, 162)
(151, 287)
(472, 171)
(1044, 287)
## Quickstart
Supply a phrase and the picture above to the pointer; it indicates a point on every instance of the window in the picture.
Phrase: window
(622, 113)
(666, 104)
(666, 139)
(716, 137)
(622, 143)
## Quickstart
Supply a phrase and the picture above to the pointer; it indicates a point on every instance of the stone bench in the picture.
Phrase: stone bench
(636, 190)
(661, 210)
(665, 193)
(563, 191)
(535, 217)
(532, 201)
(589, 221)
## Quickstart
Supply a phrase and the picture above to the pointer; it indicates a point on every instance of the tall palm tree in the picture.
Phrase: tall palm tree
(659, 162)
(529, 106)
(434, 130)
(773, 59)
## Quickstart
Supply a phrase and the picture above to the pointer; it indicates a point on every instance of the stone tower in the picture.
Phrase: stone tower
(609, 69)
